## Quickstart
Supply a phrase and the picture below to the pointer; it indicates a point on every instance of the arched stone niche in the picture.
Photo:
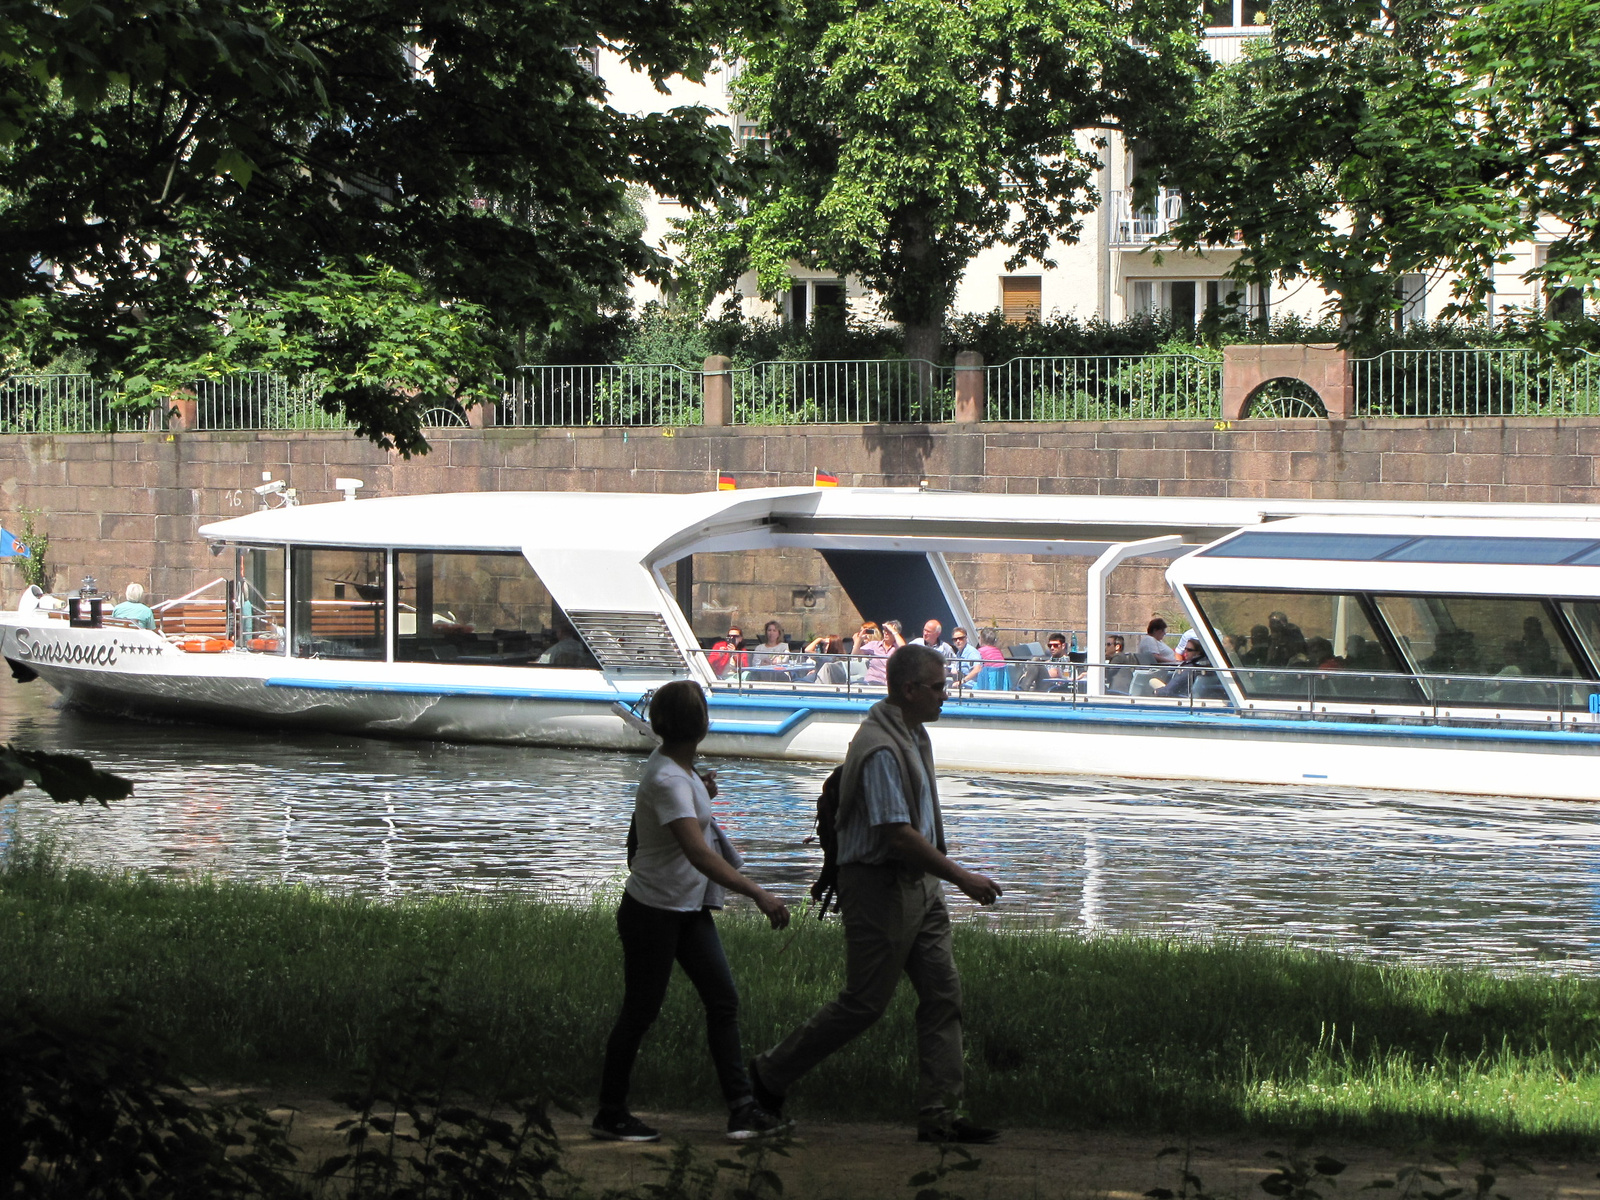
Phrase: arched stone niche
(1247, 369)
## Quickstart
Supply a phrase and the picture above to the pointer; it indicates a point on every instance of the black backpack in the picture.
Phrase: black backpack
(825, 890)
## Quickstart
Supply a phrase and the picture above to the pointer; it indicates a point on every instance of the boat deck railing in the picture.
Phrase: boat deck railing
(1267, 691)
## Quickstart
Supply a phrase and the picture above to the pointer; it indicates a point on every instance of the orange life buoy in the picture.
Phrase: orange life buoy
(199, 643)
(265, 645)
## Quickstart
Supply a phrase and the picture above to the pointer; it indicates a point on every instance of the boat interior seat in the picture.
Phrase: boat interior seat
(1140, 684)
(1026, 650)
(834, 672)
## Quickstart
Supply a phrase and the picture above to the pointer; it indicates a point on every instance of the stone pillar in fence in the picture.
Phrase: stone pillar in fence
(1325, 368)
(183, 412)
(483, 414)
(969, 388)
(717, 396)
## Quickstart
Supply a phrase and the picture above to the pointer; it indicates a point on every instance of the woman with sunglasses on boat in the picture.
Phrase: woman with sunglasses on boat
(680, 865)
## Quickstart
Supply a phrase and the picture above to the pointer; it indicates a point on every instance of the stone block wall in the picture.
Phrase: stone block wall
(126, 507)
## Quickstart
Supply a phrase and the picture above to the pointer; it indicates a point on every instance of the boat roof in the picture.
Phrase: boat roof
(653, 528)
(1559, 556)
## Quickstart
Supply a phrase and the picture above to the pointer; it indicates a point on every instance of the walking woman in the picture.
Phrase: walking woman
(680, 865)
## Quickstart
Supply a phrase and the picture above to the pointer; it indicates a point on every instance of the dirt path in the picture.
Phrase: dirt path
(865, 1161)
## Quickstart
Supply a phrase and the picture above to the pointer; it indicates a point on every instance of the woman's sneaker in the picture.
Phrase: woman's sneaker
(750, 1120)
(621, 1127)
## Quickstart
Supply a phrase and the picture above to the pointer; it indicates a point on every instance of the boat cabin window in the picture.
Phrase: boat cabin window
(1303, 631)
(1499, 640)
(483, 609)
(260, 597)
(1584, 616)
(339, 607)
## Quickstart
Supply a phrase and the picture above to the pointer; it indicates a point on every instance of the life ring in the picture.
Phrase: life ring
(199, 643)
(265, 645)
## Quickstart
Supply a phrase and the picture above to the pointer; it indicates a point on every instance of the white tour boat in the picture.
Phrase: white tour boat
(1441, 647)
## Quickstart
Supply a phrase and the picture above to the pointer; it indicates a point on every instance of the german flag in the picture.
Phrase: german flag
(726, 482)
(823, 479)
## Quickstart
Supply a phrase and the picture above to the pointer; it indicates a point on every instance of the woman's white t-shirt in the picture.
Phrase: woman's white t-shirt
(660, 875)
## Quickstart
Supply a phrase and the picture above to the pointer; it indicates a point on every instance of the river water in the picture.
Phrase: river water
(1397, 876)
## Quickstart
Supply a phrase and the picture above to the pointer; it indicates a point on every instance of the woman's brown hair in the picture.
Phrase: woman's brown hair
(678, 712)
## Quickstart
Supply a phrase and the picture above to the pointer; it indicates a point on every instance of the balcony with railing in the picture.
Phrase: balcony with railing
(1138, 227)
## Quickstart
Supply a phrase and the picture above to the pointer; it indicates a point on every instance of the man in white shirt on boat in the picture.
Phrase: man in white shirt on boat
(932, 635)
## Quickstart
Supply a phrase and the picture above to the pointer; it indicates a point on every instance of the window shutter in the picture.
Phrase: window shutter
(1020, 298)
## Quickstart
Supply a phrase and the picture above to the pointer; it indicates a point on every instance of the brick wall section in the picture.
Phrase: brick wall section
(127, 506)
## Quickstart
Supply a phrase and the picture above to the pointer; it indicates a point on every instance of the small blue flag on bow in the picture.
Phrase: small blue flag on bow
(10, 547)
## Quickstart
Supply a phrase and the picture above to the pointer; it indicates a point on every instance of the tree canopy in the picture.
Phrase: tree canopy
(165, 163)
(1360, 143)
(904, 138)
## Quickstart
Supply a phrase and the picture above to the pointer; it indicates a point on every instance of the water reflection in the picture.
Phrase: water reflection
(1416, 877)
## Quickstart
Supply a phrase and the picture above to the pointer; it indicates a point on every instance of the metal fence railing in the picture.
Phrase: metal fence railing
(1475, 383)
(64, 404)
(1105, 388)
(261, 400)
(617, 394)
(1497, 382)
(845, 392)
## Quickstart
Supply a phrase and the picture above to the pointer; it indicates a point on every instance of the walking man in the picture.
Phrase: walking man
(891, 859)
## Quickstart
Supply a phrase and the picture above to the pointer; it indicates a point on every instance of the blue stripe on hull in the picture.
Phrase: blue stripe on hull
(790, 715)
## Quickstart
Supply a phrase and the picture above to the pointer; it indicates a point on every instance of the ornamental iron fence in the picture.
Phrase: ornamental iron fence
(842, 392)
(624, 394)
(1146, 387)
(1475, 383)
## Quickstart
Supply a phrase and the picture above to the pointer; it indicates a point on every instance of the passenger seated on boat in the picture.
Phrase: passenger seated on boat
(933, 638)
(828, 659)
(728, 657)
(1285, 642)
(995, 675)
(133, 608)
(773, 650)
(569, 649)
(1533, 654)
(967, 664)
(1052, 674)
(888, 639)
(1260, 647)
(1153, 649)
(1121, 679)
(1319, 653)
(1193, 679)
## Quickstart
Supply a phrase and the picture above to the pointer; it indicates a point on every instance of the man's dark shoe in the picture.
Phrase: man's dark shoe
(621, 1126)
(750, 1120)
(765, 1096)
(957, 1130)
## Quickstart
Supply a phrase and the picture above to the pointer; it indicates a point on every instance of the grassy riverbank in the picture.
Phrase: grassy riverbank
(271, 984)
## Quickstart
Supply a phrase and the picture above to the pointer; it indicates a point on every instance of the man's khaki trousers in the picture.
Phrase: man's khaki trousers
(894, 921)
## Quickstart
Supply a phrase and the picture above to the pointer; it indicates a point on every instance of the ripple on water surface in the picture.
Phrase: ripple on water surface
(1424, 878)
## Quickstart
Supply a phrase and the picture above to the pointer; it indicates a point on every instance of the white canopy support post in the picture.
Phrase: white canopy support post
(1113, 557)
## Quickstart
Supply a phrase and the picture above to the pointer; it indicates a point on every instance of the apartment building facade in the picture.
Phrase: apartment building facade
(1117, 268)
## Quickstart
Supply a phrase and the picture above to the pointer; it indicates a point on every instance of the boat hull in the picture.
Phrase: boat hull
(140, 675)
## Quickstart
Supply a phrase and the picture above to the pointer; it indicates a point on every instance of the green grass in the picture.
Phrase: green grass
(277, 984)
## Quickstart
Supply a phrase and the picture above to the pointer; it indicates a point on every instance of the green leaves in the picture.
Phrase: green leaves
(65, 778)
(171, 162)
(908, 137)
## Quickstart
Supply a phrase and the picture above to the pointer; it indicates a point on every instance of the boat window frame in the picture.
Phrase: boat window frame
(393, 595)
(1234, 678)
(291, 624)
(238, 551)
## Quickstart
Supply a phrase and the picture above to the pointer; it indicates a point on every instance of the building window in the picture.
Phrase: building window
(1410, 291)
(816, 302)
(748, 136)
(1237, 14)
(1021, 298)
(1186, 301)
